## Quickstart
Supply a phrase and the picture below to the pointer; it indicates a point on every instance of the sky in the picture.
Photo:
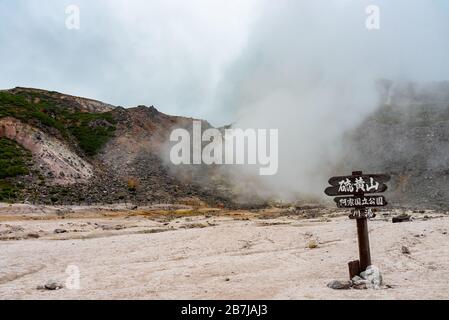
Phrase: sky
(305, 67)
(169, 53)
(215, 59)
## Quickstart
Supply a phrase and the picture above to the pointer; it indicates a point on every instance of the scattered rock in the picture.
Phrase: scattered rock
(113, 227)
(374, 277)
(401, 218)
(60, 231)
(340, 285)
(359, 283)
(419, 235)
(356, 279)
(33, 235)
(193, 226)
(360, 286)
(51, 285)
(312, 244)
(405, 250)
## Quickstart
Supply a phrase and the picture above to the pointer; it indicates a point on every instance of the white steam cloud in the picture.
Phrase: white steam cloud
(310, 69)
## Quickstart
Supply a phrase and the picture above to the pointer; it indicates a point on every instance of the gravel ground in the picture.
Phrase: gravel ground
(217, 255)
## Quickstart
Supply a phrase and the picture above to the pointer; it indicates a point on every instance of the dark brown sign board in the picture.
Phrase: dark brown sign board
(380, 178)
(357, 184)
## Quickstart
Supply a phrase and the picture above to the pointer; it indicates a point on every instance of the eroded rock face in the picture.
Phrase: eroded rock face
(51, 154)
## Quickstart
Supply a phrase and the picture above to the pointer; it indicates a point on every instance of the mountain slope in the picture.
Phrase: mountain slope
(407, 137)
(86, 151)
(69, 150)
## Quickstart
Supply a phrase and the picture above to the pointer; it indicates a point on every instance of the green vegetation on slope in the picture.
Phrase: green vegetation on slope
(91, 130)
(13, 163)
(8, 192)
(18, 107)
(13, 159)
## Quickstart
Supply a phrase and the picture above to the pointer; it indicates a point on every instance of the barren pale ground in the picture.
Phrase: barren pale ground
(184, 253)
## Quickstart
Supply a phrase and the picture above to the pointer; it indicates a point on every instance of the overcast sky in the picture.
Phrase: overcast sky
(189, 57)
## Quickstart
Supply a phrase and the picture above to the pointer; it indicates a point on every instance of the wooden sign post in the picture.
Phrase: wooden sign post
(357, 186)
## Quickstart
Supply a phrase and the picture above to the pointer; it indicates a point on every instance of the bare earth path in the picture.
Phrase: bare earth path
(215, 256)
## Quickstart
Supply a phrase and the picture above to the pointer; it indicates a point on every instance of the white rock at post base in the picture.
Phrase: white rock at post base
(373, 276)
(358, 280)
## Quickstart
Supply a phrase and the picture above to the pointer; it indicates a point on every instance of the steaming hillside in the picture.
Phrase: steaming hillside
(60, 149)
(407, 137)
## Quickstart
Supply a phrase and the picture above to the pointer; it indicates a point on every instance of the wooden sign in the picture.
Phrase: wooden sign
(360, 201)
(357, 185)
(362, 184)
